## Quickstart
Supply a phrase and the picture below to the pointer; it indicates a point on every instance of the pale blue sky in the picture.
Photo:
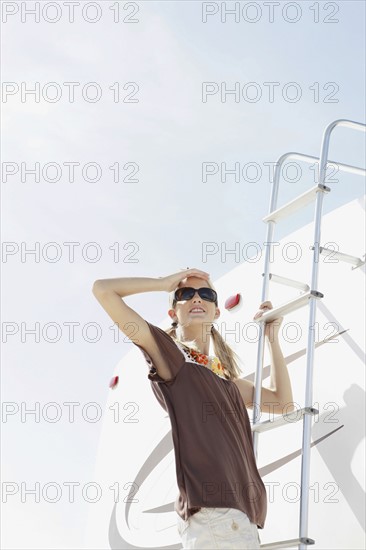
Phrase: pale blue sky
(169, 212)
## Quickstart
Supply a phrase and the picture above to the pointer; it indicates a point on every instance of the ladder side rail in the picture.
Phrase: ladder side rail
(307, 421)
(261, 342)
(265, 288)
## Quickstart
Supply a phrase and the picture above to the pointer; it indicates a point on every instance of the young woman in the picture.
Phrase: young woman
(222, 499)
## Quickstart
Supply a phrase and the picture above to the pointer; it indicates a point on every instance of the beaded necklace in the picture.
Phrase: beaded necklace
(209, 361)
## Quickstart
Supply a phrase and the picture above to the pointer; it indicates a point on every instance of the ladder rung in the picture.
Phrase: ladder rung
(357, 262)
(288, 307)
(283, 419)
(287, 543)
(289, 282)
(295, 204)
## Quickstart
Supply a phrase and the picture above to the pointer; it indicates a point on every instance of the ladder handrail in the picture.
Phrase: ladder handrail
(307, 420)
(351, 124)
(323, 156)
(310, 158)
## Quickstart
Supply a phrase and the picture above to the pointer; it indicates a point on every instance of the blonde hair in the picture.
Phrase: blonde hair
(228, 358)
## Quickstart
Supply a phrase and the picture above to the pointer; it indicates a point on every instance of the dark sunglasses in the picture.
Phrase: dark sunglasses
(187, 292)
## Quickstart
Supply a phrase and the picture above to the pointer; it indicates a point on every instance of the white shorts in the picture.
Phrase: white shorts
(218, 528)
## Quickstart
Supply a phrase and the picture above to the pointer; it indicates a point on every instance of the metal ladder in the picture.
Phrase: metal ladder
(308, 295)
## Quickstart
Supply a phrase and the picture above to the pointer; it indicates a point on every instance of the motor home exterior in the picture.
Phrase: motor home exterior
(135, 468)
